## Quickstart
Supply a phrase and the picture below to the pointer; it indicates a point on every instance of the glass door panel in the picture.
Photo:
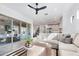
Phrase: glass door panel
(5, 34)
(16, 31)
(23, 31)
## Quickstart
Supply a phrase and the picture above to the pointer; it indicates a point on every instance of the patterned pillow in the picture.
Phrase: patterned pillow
(76, 40)
(66, 38)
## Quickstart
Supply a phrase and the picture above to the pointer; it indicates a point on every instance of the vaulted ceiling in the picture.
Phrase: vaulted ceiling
(50, 15)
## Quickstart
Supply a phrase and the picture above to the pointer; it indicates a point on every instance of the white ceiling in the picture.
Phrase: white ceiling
(54, 10)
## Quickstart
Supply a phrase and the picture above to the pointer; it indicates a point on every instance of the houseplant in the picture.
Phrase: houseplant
(28, 42)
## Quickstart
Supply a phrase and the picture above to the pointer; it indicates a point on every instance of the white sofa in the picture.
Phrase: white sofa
(47, 46)
(69, 49)
(52, 40)
(48, 43)
(64, 49)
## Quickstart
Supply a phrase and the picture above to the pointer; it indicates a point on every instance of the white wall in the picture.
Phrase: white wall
(76, 21)
(10, 12)
(69, 27)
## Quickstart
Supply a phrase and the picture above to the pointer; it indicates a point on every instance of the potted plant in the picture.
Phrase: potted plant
(28, 42)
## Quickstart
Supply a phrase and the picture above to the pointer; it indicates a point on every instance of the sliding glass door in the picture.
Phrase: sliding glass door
(5, 35)
(12, 33)
(25, 31)
(16, 30)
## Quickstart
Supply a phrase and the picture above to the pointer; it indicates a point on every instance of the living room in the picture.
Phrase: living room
(39, 29)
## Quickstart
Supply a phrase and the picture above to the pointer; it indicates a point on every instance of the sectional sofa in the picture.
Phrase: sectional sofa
(61, 44)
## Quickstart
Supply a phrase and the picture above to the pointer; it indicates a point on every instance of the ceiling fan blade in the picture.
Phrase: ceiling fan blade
(31, 7)
(42, 8)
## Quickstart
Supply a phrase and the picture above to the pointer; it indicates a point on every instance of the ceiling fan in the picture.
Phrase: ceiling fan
(36, 8)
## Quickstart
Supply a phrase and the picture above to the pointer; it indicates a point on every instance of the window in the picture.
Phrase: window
(12, 32)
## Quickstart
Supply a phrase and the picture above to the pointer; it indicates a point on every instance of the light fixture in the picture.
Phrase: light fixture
(77, 14)
(72, 18)
(46, 13)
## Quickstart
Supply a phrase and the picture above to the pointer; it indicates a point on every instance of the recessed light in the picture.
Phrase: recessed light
(46, 14)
